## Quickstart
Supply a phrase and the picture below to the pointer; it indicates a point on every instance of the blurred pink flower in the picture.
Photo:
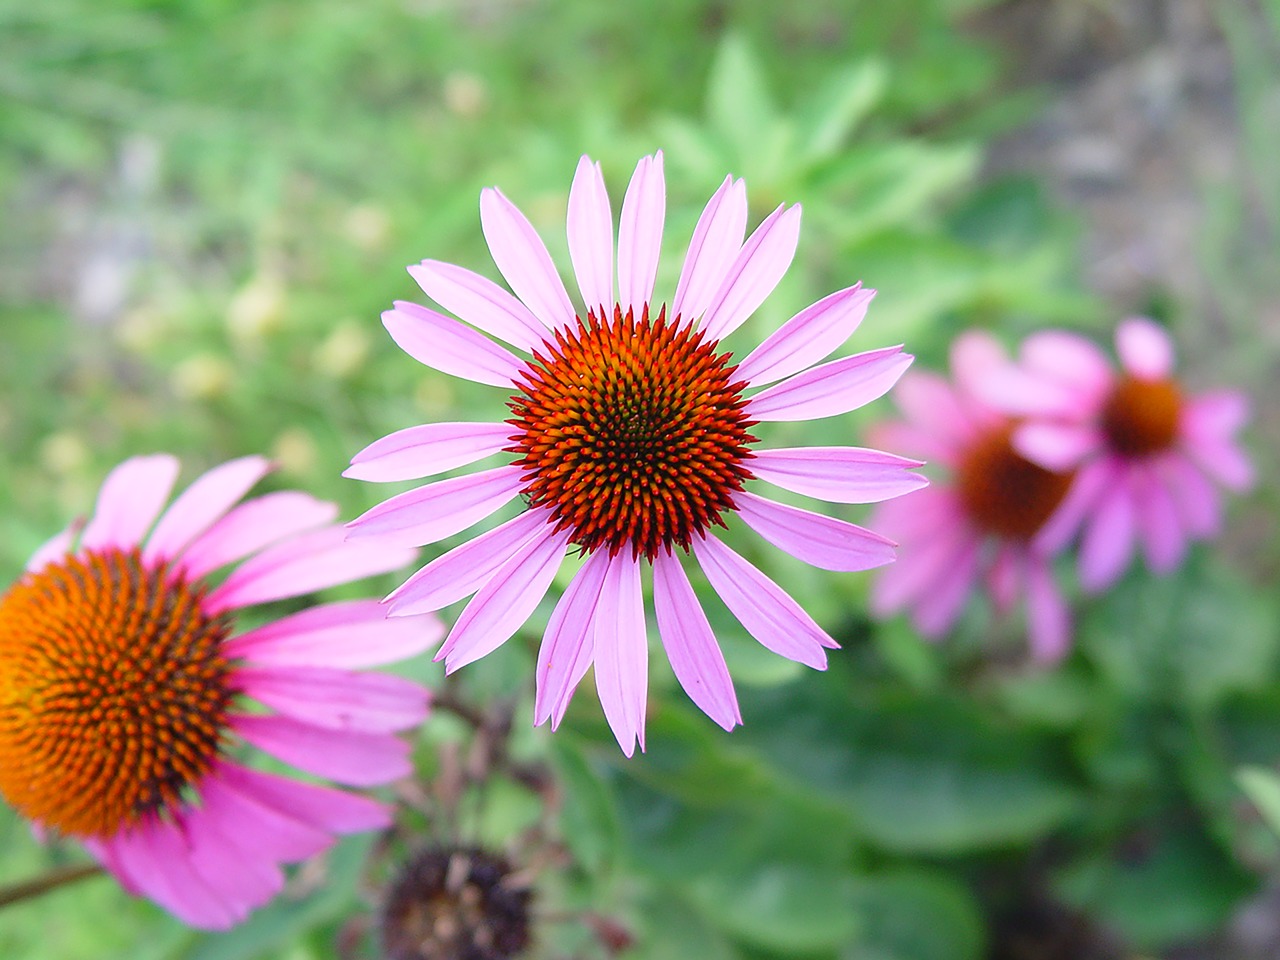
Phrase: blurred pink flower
(1147, 453)
(982, 526)
(123, 686)
(630, 435)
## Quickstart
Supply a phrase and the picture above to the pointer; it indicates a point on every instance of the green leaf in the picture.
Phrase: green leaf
(739, 104)
(914, 914)
(830, 118)
(1262, 787)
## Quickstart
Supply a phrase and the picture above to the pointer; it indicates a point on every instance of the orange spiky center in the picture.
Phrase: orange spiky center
(1141, 417)
(631, 432)
(113, 691)
(1003, 493)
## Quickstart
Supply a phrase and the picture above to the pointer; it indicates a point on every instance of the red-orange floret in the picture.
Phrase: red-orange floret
(1003, 493)
(1141, 417)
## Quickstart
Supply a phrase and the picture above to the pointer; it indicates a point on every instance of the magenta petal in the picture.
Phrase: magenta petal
(974, 356)
(307, 563)
(568, 644)
(1048, 620)
(352, 633)
(1107, 545)
(1057, 446)
(1004, 576)
(1159, 525)
(253, 525)
(319, 807)
(1223, 460)
(761, 263)
(590, 232)
(132, 496)
(505, 602)
(439, 510)
(202, 504)
(156, 857)
(426, 450)
(714, 246)
(1075, 364)
(355, 758)
(480, 302)
(278, 833)
(237, 871)
(337, 699)
(936, 611)
(1144, 348)
(816, 539)
(55, 548)
(930, 403)
(1088, 486)
(838, 474)
(622, 652)
(832, 388)
(644, 208)
(922, 568)
(690, 643)
(1218, 414)
(1198, 503)
(807, 338)
(449, 346)
(466, 568)
(523, 260)
(760, 605)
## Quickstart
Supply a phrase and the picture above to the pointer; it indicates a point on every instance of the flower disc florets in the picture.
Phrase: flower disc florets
(113, 692)
(1004, 493)
(632, 432)
(1140, 417)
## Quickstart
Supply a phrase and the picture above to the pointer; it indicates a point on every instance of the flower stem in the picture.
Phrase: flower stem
(46, 883)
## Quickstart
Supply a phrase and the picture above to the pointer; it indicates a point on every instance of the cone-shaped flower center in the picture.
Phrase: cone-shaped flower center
(113, 692)
(632, 433)
(1141, 416)
(452, 903)
(1003, 493)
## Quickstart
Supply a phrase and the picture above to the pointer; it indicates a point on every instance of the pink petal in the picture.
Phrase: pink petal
(55, 548)
(132, 496)
(762, 607)
(761, 263)
(237, 871)
(322, 808)
(714, 246)
(466, 568)
(1215, 415)
(923, 566)
(974, 356)
(351, 633)
(590, 231)
(439, 510)
(915, 440)
(275, 832)
(818, 540)
(1198, 503)
(644, 209)
(503, 604)
(832, 388)
(253, 525)
(1004, 576)
(307, 563)
(523, 260)
(480, 302)
(426, 450)
(935, 612)
(568, 644)
(337, 699)
(1144, 348)
(690, 644)
(807, 338)
(156, 858)
(1159, 526)
(622, 652)
(1076, 364)
(838, 474)
(929, 513)
(202, 504)
(356, 758)
(929, 402)
(444, 344)
(1081, 500)
(1057, 446)
(1019, 391)
(1048, 619)
(1107, 546)
(1223, 460)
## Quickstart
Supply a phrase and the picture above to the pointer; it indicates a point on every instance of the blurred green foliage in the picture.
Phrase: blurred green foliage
(207, 204)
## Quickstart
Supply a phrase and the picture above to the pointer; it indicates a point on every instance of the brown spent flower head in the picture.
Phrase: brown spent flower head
(455, 903)
(113, 692)
(1003, 493)
(632, 432)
